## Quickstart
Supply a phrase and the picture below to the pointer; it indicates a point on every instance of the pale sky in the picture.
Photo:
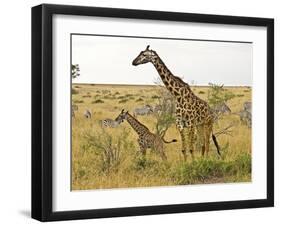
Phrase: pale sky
(108, 60)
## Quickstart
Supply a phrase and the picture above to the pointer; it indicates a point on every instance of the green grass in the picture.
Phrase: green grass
(206, 170)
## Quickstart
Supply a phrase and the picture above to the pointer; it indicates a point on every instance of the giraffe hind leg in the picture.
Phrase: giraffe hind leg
(184, 146)
(191, 136)
(201, 138)
(142, 148)
(162, 153)
(207, 135)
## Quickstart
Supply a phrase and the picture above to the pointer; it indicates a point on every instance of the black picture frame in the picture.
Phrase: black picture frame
(42, 111)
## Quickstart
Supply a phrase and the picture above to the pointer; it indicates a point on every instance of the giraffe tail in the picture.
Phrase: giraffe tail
(168, 142)
(216, 144)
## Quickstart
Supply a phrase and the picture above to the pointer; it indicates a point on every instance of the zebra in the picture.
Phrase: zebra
(73, 109)
(246, 117)
(248, 106)
(111, 123)
(157, 108)
(146, 110)
(221, 108)
(87, 114)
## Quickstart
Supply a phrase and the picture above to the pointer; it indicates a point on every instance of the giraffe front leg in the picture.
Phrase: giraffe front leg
(180, 127)
(184, 143)
(207, 134)
(201, 138)
(142, 148)
(190, 133)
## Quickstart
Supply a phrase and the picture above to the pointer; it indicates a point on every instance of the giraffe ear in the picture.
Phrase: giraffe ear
(147, 48)
(127, 112)
(122, 111)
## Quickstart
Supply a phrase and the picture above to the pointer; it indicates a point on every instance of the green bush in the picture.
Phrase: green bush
(217, 94)
(109, 149)
(206, 169)
(74, 91)
(123, 101)
(78, 101)
(98, 101)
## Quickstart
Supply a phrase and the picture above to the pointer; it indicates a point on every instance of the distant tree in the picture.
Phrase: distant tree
(75, 70)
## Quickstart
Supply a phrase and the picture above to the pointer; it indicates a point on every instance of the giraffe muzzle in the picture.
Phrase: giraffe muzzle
(134, 63)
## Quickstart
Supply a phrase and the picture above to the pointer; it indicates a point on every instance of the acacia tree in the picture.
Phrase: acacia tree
(165, 113)
(217, 94)
(75, 70)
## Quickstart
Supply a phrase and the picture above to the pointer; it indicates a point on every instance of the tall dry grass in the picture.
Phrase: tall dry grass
(123, 166)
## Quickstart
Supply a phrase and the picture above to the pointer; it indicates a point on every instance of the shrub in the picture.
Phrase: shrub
(201, 92)
(165, 117)
(123, 101)
(155, 97)
(139, 99)
(98, 101)
(109, 148)
(240, 95)
(108, 96)
(75, 71)
(74, 91)
(78, 101)
(87, 96)
(203, 169)
(141, 163)
(218, 95)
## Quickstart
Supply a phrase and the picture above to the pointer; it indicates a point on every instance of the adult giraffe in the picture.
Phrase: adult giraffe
(192, 113)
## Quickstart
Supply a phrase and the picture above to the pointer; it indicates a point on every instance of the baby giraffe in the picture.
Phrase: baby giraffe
(146, 138)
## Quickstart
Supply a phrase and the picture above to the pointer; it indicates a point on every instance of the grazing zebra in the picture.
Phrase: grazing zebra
(221, 108)
(157, 108)
(248, 106)
(246, 118)
(73, 109)
(111, 123)
(87, 114)
(146, 139)
(146, 110)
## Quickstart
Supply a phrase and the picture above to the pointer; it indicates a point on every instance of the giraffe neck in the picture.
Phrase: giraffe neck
(172, 83)
(136, 125)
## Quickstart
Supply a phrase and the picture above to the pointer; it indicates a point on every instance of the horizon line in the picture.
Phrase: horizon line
(112, 84)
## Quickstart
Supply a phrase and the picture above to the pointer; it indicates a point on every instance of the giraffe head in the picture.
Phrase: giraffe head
(123, 115)
(144, 57)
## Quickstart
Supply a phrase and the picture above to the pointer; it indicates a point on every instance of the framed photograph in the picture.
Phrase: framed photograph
(145, 112)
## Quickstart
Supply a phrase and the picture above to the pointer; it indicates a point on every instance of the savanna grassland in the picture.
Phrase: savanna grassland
(110, 158)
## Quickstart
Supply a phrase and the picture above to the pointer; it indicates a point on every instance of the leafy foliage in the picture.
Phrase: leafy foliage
(207, 169)
(217, 94)
(75, 70)
(110, 149)
(165, 116)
